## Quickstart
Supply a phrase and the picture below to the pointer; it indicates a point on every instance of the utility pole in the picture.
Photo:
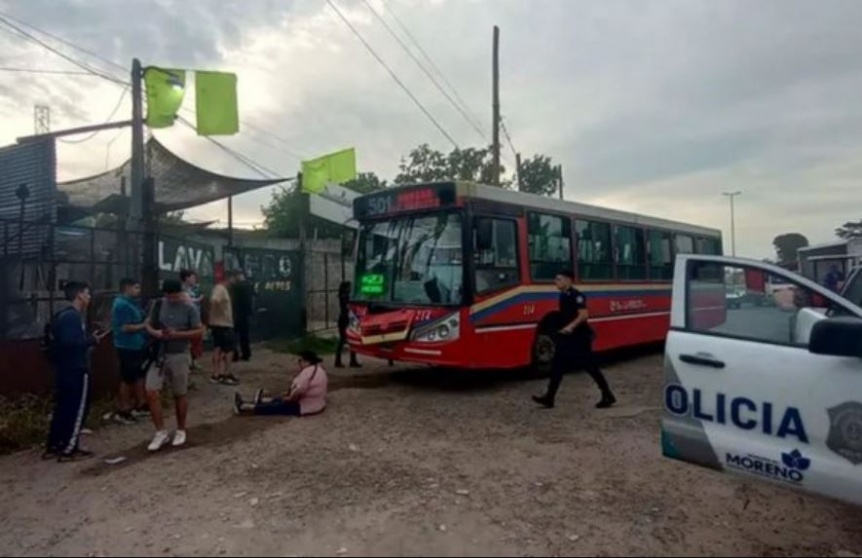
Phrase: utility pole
(142, 212)
(495, 166)
(732, 195)
(518, 171)
(560, 179)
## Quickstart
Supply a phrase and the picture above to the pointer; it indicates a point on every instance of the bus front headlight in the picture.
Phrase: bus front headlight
(439, 331)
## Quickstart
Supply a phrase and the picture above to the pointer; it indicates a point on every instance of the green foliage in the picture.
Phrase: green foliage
(424, 164)
(539, 176)
(787, 246)
(850, 229)
(24, 420)
(282, 215)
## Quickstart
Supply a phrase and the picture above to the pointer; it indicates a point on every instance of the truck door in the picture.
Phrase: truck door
(755, 394)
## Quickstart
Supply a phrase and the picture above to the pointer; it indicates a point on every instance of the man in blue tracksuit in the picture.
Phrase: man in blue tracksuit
(69, 349)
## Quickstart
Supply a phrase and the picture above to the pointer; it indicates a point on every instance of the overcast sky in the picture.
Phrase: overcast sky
(650, 106)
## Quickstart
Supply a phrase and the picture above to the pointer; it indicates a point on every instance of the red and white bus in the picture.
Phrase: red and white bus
(461, 275)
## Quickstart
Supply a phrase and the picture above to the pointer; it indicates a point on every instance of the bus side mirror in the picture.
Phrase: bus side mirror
(841, 337)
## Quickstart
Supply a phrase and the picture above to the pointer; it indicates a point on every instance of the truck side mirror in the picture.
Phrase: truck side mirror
(840, 336)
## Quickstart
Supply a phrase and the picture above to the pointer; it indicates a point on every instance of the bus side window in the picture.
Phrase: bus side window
(660, 255)
(630, 249)
(684, 244)
(550, 245)
(495, 254)
(595, 257)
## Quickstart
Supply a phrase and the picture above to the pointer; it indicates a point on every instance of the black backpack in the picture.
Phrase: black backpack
(48, 340)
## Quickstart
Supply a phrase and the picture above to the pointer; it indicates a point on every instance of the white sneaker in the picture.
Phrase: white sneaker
(159, 440)
(179, 438)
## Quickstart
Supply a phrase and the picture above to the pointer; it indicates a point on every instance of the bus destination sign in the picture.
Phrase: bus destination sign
(404, 200)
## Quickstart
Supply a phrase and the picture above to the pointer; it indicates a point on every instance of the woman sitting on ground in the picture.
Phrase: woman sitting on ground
(307, 395)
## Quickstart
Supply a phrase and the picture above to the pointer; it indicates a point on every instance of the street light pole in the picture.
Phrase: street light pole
(732, 195)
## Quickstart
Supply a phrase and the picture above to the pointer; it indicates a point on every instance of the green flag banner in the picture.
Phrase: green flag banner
(338, 168)
(217, 110)
(165, 92)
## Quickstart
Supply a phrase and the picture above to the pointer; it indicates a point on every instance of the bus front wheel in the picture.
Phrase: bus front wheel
(543, 350)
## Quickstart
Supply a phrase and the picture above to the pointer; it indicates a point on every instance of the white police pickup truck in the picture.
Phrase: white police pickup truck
(774, 391)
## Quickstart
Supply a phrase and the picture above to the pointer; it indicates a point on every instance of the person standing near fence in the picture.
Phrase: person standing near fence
(174, 321)
(224, 339)
(128, 324)
(343, 323)
(242, 298)
(191, 287)
(69, 348)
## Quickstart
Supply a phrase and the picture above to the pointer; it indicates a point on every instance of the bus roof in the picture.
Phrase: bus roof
(554, 205)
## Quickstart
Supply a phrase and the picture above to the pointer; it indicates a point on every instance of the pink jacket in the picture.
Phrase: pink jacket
(311, 385)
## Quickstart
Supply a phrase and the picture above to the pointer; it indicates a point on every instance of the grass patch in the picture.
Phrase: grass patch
(25, 420)
(320, 345)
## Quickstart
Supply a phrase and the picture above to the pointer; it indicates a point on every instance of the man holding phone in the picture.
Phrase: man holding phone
(174, 322)
(70, 345)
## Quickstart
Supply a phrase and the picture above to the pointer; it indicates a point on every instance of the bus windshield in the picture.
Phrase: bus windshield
(411, 260)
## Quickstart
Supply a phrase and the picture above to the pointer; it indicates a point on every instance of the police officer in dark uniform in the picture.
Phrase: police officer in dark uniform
(574, 344)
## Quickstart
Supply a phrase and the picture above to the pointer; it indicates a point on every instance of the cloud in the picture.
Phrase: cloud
(652, 106)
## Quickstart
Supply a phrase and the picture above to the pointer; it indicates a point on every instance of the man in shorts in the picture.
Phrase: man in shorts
(129, 329)
(224, 340)
(174, 321)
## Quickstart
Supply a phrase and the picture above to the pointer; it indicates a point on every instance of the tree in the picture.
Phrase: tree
(787, 245)
(424, 164)
(282, 215)
(538, 176)
(850, 229)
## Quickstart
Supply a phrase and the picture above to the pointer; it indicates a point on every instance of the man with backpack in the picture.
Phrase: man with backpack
(174, 322)
(69, 345)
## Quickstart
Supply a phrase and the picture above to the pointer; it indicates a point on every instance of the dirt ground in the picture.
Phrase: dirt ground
(413, 462)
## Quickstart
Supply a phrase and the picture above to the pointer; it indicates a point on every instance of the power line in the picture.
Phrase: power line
(431, 63)
(391, 72)
(508, 137)
(108, 119)
(56, 51)
(425, 70)
(63, 41)
(41, 71)
(257, 167)
(90, 70)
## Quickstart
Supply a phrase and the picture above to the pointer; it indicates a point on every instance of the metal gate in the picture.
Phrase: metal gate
(277, 278)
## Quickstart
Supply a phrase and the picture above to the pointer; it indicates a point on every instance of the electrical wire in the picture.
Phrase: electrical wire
(92, 71)
(508, 138)
(46, 71)
(391, 73)
(433, 65)
(427, 73)
(107, 120)
(29, 36)
(257, 167)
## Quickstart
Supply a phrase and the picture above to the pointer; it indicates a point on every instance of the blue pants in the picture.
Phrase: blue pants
(278, 406)
(71, 405)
